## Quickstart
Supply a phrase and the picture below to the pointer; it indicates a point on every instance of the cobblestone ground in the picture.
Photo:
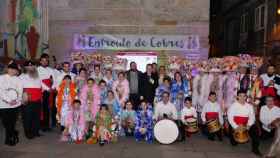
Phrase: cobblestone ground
(197, 146)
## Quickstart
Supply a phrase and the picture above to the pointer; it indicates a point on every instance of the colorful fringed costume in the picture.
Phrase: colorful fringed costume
(144, 125)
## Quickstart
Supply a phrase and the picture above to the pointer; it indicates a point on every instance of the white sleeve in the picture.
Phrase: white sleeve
(156, 113)
(194, 113)
(231, 116)
(221, 119)
(174, 113)
(264, 120)
(252, 118)
(203, 113)
(20, 90)
(183, 113)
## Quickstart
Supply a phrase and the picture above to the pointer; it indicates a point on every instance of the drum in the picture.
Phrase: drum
(191, 125)
(241, 135)
(166, 131)
(213, 126)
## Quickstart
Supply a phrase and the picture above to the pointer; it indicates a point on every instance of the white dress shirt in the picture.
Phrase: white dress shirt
(212, 107)
(188, 112)
(169, 109)
(11, 88)
(239, 110)
(268, 115)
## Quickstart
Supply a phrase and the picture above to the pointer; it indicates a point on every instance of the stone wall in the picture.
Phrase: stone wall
(160, 17)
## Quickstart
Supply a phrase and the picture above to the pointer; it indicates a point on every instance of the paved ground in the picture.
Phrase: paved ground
(198, 146)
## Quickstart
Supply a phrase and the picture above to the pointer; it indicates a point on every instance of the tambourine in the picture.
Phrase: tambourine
(11, 94)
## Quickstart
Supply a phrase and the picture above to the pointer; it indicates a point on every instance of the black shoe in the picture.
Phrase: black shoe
(101, 143)
(257, 153)
(16, 138)
(233, 143)
(10, 141)
(220, 139)
(211, 138)
(38, 135)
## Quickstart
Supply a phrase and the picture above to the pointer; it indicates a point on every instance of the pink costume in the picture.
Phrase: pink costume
(75, 123)
(121, 90)
(90, 98)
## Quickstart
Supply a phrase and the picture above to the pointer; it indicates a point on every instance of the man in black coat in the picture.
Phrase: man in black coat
(149, 83)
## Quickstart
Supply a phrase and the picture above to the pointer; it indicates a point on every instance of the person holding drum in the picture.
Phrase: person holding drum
(166, 112)
(165, 109)
(10, 99)
(189, 117)
(212, 117)
(241, 118)
(268, 114)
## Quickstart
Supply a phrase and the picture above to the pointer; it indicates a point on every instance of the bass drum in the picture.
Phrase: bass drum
(166, 131)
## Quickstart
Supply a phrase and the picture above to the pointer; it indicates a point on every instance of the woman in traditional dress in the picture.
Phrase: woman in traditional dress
(164, 87)
(179, 84)
(65, 96)
(109, 79)
(81, 79)
(144, 123)
(90, 97)
(121, 88)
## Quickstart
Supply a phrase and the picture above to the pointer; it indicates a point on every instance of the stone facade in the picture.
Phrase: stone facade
(152, 17)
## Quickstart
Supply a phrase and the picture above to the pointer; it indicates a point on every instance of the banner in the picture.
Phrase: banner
(136, 42)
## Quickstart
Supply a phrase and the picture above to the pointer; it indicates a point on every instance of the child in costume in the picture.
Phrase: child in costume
(188, 112)
(115, 110)
(75, 123)
(65, 96)
(90, 98)
(128, 119)
(103, 130)
(144, 123)
(103, 91)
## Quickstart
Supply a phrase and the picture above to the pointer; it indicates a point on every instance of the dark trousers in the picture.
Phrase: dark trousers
(31, 119)
(267, 135)
(181, 127)
(9, 119)
(253, 133)
(45, 123)
(135, 98)
(53, 111)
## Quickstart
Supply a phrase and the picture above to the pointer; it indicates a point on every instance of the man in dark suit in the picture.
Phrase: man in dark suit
(149, 83)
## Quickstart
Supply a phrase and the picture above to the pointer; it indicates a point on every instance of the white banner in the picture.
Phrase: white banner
(136, 42)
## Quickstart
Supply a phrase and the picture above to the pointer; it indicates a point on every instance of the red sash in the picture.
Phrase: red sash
(211, 115)
(187, 117)
(47, 82)
(241, 120)
(34, 94)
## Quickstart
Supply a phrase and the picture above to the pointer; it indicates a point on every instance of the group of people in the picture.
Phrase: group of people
(98, 106)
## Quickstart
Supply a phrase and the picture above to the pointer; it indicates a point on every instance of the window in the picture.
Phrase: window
(259, 17)
(244, 23)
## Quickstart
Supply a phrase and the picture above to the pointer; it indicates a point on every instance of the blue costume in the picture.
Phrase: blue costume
(176, 88)
(103, 95)
(144, 120)
(159, 91)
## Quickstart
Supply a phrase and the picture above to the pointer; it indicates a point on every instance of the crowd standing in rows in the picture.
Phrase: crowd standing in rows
(101, 105)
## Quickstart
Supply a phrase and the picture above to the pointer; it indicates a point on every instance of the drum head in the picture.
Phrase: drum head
(166, 131)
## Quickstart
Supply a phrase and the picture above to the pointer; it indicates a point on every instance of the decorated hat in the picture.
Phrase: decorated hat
(29, 63)
(13, 65)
